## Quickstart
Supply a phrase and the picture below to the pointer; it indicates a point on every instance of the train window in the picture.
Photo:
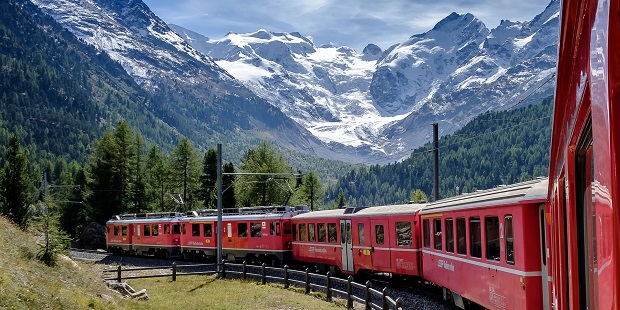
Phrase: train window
(311, 233)
(166, 229)
(302, 232)
(437, 234)
(380, 234)
(332, 233)
(475, 246)
(509, 239)
(176, 229)
(228, 230)
(461, 236)
(183, 230)
(274, 228)
(207, 230)
(242, 230)
(427, 234)
(491, 224)
(403, 234)
(449, 223)
(147, 230)
(349, 233)
(286, 228)
(195, 230)
(124, 230)
(294, 232)
(117, 230)
(360, 233)
(322, 232)
(155, 230)
(256, 230)
(107, 229)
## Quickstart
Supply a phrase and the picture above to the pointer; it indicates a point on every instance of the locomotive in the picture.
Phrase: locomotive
(543, 244)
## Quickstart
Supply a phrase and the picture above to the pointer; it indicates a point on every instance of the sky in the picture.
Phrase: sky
(352, 23)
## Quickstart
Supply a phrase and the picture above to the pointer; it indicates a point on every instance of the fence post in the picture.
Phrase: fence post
(307, 281)
(245, 270)
(399, 303)
(263, 278)
(174, 271)
(384, 295)
(224, 268)
(367, 298)
(285, 276)
(118, 274)
(328, 296)
(349, 292)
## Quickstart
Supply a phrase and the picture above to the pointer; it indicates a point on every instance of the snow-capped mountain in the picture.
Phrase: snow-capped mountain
(383, 102)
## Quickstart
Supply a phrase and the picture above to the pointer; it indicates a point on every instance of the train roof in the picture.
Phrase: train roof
(363, 211)
(529, 191)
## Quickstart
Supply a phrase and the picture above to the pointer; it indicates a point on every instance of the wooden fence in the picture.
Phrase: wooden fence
(370, 298)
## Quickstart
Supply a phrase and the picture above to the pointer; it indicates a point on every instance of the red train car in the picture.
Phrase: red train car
(146, 233)
(585, 164)
(255, 234)
(489, 247)
(360, 240)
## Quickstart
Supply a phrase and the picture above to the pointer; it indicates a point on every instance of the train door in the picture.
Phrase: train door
(346, 245)
(380, 244)
(543, 255)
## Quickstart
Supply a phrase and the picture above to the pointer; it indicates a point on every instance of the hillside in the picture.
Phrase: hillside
(26, 283)
(494, 148)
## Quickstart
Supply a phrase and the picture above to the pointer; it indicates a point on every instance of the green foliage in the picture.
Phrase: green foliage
(208, 179)
(229, 199)
(494, 148)
(418, 196)
(15, 185)
(311, 191)
(341, 201)
(185, 172)
(56, 242)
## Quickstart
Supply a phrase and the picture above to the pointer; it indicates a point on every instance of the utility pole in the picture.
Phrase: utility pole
(436, 155)
(219, 209)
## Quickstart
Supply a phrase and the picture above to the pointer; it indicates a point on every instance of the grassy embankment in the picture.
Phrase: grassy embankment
(26, 283)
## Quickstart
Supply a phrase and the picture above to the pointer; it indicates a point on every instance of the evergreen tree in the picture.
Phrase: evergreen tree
(15, 185)
(126, 163)
(105, 197)
(157, 173)
(341, 202)
(208, 179)
(73, 215)
(139, 197)
(418, 196)
(264, 189)
(312, 190)
(229, 200)
(185, 171)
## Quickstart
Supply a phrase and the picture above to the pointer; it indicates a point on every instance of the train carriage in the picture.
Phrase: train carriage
(372, 239)
(255, 234)
(489, 247)
(145, 233)
(584, 162)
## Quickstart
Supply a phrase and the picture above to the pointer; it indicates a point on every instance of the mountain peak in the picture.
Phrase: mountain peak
(455, 21)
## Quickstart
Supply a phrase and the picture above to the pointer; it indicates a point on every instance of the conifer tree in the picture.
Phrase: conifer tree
(185, 171)
(312, 190)
(15, 185)
(229, 200)
(208, 179)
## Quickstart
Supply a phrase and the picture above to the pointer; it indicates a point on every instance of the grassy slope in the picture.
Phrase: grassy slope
(25, 283)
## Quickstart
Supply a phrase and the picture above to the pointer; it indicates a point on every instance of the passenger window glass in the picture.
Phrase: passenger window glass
(294, 232)
(124, 230)
(449, 235)
(380, 238)
(508, 235)
(183, 229)
(302, 232)
(461, 239)
(322, 232)
(195, 230)
(437, 234)
(311, 233)
(403, 234)
(274, 228)
(242, 230)
(349, 237)
(155, 231)
(360, 233)
(491, 224)
(256, 230)
(207, 230)
(475, 246)
(147, 230)
(117, 230)
(427, 233)
(342, 234)
(286, 228)
(332, 233)
(176, 229)
(166, 229)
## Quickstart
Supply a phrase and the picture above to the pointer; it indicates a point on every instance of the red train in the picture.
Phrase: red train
(544, 244)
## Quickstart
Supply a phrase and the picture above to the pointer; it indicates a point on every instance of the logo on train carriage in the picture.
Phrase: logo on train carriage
(194, 243)
(445, 265)
(402, 264)
(496, 299)
(317, 250)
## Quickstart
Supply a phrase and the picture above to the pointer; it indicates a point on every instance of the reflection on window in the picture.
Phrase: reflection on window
(461, 236)
(124, 230)
(147, 230)
(475, 246)
(449, 235)
(437, 234)
(166, 229)
(207, 230)
(360, 233)
(117, 230)
(155, 231)
(403, 234)
(491, 224)
(195, 230)
(332, 233)
(349, 237)
(303, 236)
(427, 233)
(176, 229)
(256, 230)
(380, 238)
(322, 232)
(508, 235)
(311, 233)
(294, 232)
